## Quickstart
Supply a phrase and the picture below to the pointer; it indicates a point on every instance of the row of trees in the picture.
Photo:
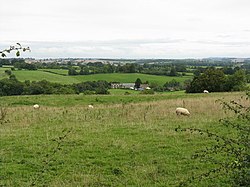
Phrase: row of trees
(95, 68)
(11, 86)
(98, 67)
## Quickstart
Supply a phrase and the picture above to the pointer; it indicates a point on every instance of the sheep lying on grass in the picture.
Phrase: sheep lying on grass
(36, 106)
(182, 111)
(205, 91)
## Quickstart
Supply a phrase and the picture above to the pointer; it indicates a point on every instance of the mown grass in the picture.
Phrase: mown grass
(116, 143)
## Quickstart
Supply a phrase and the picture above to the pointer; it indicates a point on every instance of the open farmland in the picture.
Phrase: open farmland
(125, 140)
(60, 76)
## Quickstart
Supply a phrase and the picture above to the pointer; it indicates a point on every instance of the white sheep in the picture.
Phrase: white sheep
(182, 111)
(205, 91)
(90, 106)
(36, 106)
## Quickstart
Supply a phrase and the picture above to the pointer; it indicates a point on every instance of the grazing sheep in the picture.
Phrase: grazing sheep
(90, 106)
(36, 106)
(182, 111)
(205, 91)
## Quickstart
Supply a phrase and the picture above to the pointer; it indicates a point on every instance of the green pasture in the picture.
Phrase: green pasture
(117, 96)
(131, 77)
(60, 76)
(36, 75)
(125, 140)
(56, 71)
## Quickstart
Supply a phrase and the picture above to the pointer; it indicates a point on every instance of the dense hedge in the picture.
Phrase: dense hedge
(11, 86)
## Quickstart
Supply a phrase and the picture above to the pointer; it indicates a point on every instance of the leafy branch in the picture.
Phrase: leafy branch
(230, 155)
(18, 48)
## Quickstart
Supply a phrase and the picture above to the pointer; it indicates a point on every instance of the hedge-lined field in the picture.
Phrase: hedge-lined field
(60, 76)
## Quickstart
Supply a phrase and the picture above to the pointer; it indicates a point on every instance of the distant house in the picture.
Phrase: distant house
(122, 85)
(143, 87)
(129, 86)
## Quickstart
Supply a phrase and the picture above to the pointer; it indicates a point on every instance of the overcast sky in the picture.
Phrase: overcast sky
(127, 28)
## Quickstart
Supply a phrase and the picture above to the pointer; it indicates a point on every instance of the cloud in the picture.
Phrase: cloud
(131, 28)
(138, 48)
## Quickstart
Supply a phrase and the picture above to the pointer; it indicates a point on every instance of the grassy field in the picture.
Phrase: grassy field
(59, 76)
(125, 140)
(2, 73)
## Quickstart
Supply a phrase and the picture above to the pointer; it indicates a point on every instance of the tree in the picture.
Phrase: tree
(11, 86)
(101, 90)
(173, 72)
(236, 82)
(72, 71)
(212, 79)
(138, 83)
(172, 85)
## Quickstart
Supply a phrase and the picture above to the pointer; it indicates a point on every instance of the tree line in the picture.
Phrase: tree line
(166, 69)
(11, 86)
(95, 68)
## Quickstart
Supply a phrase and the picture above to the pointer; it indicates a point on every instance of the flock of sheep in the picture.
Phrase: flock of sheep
(178, 111)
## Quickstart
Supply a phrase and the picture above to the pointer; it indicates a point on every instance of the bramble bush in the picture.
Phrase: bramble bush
(230, 154)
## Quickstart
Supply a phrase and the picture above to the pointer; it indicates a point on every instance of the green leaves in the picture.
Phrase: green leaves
(3, 55)
(18, 53)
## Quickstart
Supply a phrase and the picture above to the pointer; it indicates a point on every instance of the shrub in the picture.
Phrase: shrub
(127, 93)
(147, 92)
(229, 154)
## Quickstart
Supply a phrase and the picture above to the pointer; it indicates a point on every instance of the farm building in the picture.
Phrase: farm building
(122, 85)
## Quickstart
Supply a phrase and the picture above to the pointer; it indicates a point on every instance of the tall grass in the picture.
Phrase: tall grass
(113, 144)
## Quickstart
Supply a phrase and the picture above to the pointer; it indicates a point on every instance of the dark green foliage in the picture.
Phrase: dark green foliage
(12, 86)
(23, 65)
(72, 71)
(99, 87)
(153, 69)
(156, 87)
(214, 80)
(230, 153)
(236, 82)
(138, 83)
(101, 90)
(172, 85)
(173, 72)
(197, 73)
(8, 72)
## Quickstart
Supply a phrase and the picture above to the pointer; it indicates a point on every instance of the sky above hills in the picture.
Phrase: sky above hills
(127, 28)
